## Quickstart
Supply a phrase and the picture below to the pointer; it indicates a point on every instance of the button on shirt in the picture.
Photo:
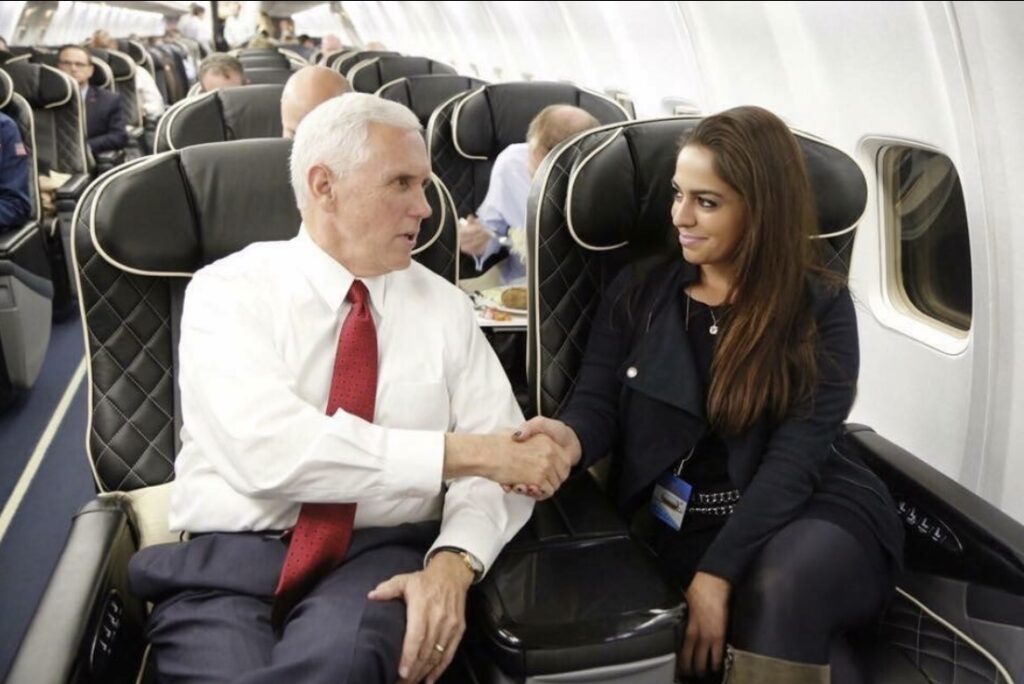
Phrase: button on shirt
(259, 330)
(504, 206)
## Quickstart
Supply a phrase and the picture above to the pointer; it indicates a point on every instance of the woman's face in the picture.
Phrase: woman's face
(709, 215)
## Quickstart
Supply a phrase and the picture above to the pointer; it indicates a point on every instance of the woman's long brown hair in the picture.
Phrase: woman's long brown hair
(764, 362)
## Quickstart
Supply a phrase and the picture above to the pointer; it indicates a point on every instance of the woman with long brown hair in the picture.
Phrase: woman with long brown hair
(720, 382)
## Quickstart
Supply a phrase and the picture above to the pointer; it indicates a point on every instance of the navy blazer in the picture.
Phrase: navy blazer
(106, 120)
(639, 398)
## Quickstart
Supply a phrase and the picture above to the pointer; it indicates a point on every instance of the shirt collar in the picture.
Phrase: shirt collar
(330, 279)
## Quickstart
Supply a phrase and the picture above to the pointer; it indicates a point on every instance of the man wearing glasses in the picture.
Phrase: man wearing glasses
(106, 120)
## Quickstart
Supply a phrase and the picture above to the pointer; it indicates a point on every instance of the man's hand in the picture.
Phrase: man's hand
(473, 237)
(704, 646)
(435, 610)
(539, 463)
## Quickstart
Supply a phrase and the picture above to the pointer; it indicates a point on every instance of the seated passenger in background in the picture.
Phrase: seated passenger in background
(150, 99)
(730, 368)
(306, 89)
(106, 120)
(504, 206)
(330, 44)
(221, 70)
(15, 203)
(328, 383)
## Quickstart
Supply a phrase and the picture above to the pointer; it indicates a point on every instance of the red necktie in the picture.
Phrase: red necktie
(322, 534)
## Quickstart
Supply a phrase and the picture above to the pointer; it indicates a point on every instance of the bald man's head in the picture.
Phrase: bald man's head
(551, 126)
(307, 88)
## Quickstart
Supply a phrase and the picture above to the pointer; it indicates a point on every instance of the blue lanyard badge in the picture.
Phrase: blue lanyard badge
(671, 496)
(668, 503)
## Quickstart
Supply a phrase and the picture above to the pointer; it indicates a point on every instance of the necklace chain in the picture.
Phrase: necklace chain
(713, 329)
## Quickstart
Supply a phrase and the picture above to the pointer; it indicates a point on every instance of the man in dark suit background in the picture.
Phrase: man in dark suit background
(106, 120)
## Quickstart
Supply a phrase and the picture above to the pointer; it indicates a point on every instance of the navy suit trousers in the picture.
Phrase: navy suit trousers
(213, 595)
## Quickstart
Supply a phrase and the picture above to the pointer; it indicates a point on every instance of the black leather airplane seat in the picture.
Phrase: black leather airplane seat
(138, 53)
(122, 71)
(342, 62)
(466, 133)
(60, 146)
(603, 198)
(424, 94)
(262, 58)
(254, 112)
(175, 76)
(26, 287)
(220, 115)
(370, 74)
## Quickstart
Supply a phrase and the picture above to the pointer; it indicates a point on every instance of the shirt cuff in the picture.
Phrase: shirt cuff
(492, 249)
(474, 533)
(415, 462)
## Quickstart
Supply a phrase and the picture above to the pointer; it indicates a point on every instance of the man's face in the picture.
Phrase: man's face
(75, 63)
(379, 206)
(214, 79)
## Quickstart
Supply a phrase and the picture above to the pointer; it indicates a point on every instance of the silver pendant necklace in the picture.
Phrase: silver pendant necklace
(714, 320)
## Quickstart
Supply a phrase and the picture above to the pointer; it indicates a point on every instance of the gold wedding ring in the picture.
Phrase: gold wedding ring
(439, 648)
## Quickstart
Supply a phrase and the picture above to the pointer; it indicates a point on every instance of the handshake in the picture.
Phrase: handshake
(535, 460)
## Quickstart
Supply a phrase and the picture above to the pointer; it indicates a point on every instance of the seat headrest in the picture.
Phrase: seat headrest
(621, 178)
(229, 114)
(102, 74)
(122, 66)
(42, 86)
(498, 115)
(369, 75)
(268, 75)
(424, 94)
(6, 89)
(347, 60)
(213, 200)
(262, 58)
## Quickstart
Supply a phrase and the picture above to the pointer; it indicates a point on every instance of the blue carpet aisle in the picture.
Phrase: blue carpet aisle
(62, 485)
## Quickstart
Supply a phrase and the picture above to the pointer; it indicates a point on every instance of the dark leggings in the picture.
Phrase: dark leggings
(811, 583)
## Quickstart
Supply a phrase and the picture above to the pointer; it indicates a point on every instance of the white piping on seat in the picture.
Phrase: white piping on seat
(966, 639)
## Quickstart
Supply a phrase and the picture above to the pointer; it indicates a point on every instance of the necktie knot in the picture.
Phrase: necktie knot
(357, 293)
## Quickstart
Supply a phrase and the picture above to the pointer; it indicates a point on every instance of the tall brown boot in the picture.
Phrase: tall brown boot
(744, 667)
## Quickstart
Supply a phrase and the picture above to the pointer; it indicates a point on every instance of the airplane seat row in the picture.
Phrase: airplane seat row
(268, 65)
(59, 121)
(467, 132)
(424, 94)
(545, 611)
(368, 75)
(26, 287)
(343, 61)
(253, 111)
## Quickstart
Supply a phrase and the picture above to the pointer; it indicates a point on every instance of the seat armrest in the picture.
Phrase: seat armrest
(88, 627)
(108, 160)
(73, 188)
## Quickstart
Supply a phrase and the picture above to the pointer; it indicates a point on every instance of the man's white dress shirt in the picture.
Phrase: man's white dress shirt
(259, 331)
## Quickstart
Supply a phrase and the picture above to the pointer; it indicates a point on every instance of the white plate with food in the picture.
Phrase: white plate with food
(509, 298)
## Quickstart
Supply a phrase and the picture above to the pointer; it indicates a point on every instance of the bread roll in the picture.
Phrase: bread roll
(514, 298)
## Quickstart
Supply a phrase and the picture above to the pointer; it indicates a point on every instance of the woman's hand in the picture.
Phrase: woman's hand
(557, 431)
(704, 646)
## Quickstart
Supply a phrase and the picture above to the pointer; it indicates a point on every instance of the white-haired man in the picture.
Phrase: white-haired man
(340, 463)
